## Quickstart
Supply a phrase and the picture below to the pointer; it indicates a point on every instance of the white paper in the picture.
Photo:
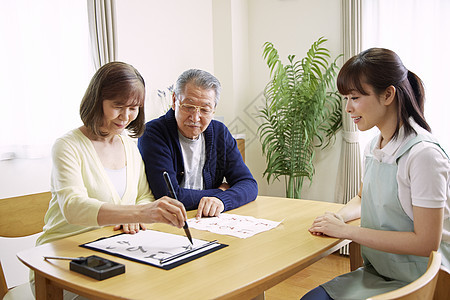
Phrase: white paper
(235, 225)
(152, 247)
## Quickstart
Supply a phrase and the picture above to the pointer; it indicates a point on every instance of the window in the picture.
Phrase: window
(418, 32)
(46, 67)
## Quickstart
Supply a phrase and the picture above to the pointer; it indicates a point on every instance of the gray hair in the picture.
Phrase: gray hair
(200, 79)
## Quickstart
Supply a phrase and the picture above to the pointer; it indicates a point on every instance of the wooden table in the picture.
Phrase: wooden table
(243, 270)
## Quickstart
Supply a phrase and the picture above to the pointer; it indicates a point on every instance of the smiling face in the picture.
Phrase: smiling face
(372, 110)
(117, 115)
(192, 124)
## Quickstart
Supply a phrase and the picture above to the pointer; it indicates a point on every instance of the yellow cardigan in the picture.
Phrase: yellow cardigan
(80, 185)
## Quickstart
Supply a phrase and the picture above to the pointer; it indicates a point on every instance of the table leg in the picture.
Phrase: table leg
(356, 260)
(45, 289)
(261, 296)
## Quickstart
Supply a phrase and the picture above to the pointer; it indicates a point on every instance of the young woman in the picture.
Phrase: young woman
(404, 198)
(98, 175)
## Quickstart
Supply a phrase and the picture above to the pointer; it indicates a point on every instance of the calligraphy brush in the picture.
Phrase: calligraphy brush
(173, 195)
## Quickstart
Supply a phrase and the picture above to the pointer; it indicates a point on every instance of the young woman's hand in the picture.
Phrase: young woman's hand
(330, 224)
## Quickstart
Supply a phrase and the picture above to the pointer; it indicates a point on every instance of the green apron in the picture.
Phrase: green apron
(381, 210)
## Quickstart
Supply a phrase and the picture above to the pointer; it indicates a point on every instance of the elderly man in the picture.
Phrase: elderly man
(199, 153)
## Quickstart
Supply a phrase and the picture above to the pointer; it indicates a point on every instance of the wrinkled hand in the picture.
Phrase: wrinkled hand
(130, 228)
(330, 224)
(165, 210)
(209, 207)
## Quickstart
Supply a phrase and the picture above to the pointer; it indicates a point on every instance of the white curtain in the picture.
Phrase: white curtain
(349, 179)
(102, 28)
(418, 31)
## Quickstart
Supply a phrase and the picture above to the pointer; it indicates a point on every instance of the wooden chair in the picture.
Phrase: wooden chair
(422, 288)
(21, 216)
(241, 146)
(442, 291)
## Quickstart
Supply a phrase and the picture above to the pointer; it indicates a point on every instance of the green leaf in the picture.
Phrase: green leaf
(300, 113)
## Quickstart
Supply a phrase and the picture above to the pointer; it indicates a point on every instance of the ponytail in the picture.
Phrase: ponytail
(417, 102)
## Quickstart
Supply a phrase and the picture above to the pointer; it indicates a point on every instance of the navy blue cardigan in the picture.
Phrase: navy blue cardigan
(161, 151)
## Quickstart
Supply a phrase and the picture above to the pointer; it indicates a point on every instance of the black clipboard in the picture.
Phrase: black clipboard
(149, 247)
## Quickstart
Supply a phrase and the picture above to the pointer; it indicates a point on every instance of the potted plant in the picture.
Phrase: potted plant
(302, 112)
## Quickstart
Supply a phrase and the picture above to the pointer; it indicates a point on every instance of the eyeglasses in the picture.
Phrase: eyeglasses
(192, 109)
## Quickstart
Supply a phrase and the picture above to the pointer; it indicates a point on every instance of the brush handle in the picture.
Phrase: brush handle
(66, 258)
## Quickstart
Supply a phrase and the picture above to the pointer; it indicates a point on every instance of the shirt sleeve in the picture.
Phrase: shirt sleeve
(428, 170)
(243, 187)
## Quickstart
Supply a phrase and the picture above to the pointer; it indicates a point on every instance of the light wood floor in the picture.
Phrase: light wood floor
(321, 271)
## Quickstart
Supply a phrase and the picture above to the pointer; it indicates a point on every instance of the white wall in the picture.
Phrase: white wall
(162, 39)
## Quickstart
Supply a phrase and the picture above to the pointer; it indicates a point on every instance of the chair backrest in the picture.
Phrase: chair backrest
(422, 288)
(21, 216)
(241, 146)
(442, 291)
